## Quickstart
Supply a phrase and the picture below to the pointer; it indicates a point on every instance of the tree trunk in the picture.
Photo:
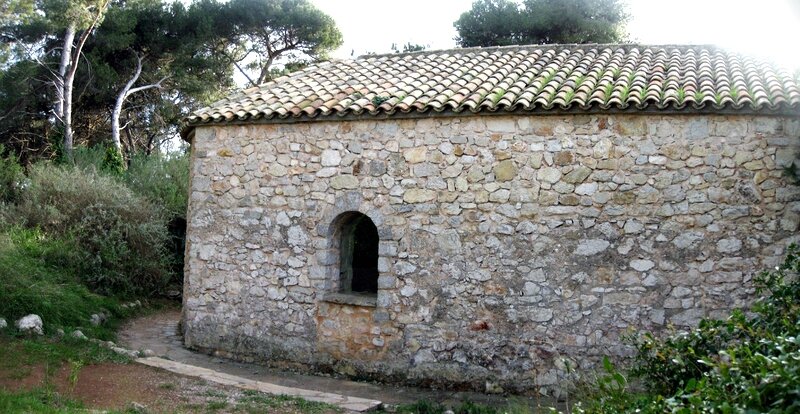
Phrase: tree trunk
(69, 75)
(66, 55)
(126, 91)
(115, 114)
(67, 117)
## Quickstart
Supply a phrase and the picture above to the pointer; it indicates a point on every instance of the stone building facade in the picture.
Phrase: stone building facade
(507, 245)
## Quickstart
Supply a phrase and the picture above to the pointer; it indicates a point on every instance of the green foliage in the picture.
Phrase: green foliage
(121, 237)
(41, 276)
(378, 100)
(740, 365)
(39, 400)
(162, 179)
(257, 402)
(18, 355)
(113, 162)
(466, 407)
(262, 31)
(12, 180)
(505, 22)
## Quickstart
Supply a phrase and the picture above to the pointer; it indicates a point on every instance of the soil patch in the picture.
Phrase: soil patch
(110, 386)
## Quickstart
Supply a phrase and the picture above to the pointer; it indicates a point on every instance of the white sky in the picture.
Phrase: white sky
(768, 29)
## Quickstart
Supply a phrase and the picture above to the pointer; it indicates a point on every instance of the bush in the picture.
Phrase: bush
(12, 180)
(120, 236)
(740, 365)
(113, 162)
(162, 179)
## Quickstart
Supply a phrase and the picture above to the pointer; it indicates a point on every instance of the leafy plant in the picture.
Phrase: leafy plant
(681, 95)
(120, 237)
(743, 364)
(113, 161)
(12, 179)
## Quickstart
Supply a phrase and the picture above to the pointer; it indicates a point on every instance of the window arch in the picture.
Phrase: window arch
(358, 254)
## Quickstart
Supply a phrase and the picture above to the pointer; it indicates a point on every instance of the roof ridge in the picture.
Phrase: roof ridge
(562, 46)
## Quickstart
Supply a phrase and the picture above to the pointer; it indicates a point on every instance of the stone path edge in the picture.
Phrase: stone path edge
(346, 402)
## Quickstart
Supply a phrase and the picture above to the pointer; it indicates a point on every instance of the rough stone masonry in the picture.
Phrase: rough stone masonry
(508, 244)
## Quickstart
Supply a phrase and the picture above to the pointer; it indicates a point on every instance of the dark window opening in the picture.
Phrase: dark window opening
(359, 255)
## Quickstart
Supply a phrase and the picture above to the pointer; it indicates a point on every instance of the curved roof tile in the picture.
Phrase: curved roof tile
(534, 79)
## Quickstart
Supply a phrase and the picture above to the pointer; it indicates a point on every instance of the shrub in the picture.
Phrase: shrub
(741, 365)
(12, 180)
(113, 162)
(120, 236)
(162, 179)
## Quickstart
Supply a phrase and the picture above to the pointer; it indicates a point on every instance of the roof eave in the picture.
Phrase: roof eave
(187, 133)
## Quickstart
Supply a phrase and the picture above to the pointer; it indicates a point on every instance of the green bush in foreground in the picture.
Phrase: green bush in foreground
(745, 364)
(119, 238)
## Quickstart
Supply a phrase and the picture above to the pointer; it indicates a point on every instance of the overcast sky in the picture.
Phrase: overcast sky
(769, 29)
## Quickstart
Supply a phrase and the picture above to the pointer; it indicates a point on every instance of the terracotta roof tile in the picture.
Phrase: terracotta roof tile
(533, 79)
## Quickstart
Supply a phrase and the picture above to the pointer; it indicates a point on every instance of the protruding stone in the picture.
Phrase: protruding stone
(549, 175)
(344, 182)
(419, 195)
(30, 324)
(97, 319)
(577, 175)
(505, 171)
(642, 265)
(330, 158)
(731, 245)
(591, 247)
(415, 155)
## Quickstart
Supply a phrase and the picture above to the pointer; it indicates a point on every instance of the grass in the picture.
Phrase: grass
(39, 400)
(17, 355)
(468, 407)
(37, 278)
(255, 402)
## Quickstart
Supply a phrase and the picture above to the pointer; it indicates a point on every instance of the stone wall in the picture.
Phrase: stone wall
(508, 244)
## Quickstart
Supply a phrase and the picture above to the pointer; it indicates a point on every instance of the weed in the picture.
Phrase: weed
(607, 90)
(681, 95)
(378, 100)
(12, 181)
(216, 405)
(214, 394)
(734, 93)
(74, 372)
(626, 90)
(39, 400)
(256, 402)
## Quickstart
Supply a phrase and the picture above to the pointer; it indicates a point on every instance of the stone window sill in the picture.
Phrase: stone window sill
(353, 298)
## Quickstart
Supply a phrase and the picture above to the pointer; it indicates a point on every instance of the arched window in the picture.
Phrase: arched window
(358, 264)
